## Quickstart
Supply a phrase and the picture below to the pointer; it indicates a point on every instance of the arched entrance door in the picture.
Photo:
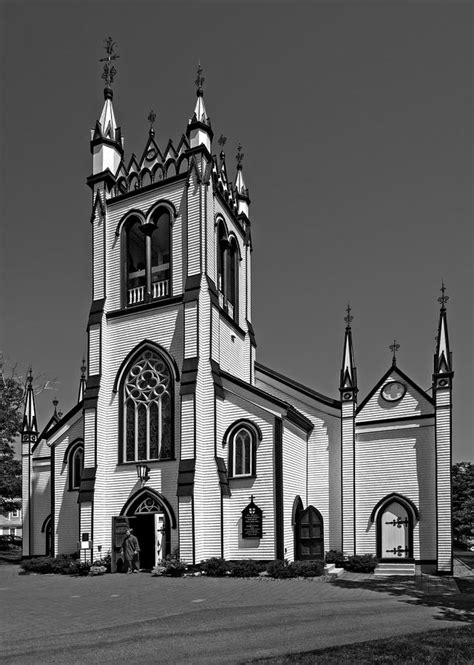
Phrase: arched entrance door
(309, 534)
(394, 532)
(149, 518)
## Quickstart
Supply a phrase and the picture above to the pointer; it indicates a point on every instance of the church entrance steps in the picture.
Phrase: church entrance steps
(330, 569)
(386, 569)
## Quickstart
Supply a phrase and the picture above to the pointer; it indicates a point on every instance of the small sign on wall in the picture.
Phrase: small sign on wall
(252, 521)
(86, 544)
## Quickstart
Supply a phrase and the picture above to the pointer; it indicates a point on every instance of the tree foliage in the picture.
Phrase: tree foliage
(463, 499)
(11, 411)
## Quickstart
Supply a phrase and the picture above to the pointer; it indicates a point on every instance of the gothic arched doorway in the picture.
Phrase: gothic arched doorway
(151, 518)
(309, 538)
(394, 527)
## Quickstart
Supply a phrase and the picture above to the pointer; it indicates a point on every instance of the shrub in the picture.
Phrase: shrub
(361, 563)
(105, 561)
(335, 556)
(279, 570)
(307, 568)
(81, 568)
(215, 567)
(97, 570)
(247, 568)
(173, 567)
(64, 564)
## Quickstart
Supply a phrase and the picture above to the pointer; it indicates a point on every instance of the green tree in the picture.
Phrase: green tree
(11, 412)
(463, 499)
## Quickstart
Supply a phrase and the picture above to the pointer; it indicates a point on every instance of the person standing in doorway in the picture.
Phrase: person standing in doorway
(131, 549)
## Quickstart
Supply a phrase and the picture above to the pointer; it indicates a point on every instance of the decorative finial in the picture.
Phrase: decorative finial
(443, 299)
(222, 141)
(30, 376)
(151, 120)
(109, 69)
(55, 404)
(199, 81)
(348, 318)
(83, 367)
(239, 156)
(394, 348)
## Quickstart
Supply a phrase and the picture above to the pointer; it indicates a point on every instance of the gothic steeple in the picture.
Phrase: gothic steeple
(82, 382)
(29, 431)
(199, 130)
(106, 138)
(240, 188)
(348, 383)
(443, 357)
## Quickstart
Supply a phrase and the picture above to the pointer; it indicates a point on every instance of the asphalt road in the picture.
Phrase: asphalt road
(136, 618)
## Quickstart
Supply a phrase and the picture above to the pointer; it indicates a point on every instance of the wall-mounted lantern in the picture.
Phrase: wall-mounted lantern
(143, 472)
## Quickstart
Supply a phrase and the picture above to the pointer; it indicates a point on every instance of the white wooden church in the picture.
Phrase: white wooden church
(178, 431)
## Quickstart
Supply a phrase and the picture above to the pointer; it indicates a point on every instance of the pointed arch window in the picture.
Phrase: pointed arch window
(147, 410)
(227, 271)
(242, 452)
(76, 465)
(147, 258)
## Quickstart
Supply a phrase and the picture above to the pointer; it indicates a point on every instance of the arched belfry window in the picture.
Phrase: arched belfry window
(147, 409)
(227, 271)
(147, 250)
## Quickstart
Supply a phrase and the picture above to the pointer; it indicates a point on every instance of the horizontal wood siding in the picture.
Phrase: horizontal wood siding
(412, 404)
(193, 224)
(178, 245)
(186, 529)
(215, 335)
(347, 466)
(398, 460)
(443, 475)
(94, 350)
(98, 265)
(191, 331)
(294, 481)
(187, 427)
(40, 506)
(175, 193)
(232, 351)
(89, 438)
(262, 487)
(211, 235)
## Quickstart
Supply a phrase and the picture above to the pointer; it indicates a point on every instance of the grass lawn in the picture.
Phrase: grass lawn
(446, 647)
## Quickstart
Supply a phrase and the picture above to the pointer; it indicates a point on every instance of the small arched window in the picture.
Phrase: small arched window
(242, 452)
(147, 413)
(147, 250)
(76, 464)
(227, 271)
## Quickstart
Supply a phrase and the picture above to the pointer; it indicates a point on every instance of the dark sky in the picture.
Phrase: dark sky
(356, 123)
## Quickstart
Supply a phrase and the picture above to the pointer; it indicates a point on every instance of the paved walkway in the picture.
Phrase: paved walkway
(137, 618)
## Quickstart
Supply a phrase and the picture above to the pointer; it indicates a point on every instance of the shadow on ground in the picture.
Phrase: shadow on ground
(454, 604)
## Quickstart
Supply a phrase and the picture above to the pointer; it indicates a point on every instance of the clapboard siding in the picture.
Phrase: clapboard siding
(443, 479)
(211, 235)
(186, 529)
(142, 202)
(187, 426)
(191, 329)
(412, 404)
(235, 547)
(193, 224)
(347, 465)
(294, 481)
(94, 350)
(400, 461)
(89, 437)
(40, 506)
(232, 351)
(215, 335)
(98, 265)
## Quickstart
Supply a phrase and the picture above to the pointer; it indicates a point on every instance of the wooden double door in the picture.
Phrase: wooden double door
(309, 534)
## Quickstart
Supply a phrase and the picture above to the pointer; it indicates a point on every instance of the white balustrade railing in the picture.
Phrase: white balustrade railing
(159, 289)
(136, 295)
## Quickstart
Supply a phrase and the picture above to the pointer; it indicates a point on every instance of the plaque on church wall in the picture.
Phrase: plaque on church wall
(252, 521)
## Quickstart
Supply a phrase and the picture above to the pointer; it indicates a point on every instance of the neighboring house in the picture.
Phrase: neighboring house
(11, 523)
(181, 434)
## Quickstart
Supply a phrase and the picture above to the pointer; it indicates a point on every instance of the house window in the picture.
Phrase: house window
(76, 464)
(227, 271)
(147, 393)
(147, 258)
(242, 453)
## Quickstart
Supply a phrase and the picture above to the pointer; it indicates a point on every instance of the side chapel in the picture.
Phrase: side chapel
(179, 433)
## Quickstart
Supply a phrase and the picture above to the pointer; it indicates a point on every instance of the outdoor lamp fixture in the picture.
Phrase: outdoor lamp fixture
(143, 473)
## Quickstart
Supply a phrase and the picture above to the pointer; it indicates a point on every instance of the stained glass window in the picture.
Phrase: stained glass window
(242, 453)
(77, 464)
(147, 393)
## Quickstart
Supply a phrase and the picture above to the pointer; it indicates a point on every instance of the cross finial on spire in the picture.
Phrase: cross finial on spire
(199, 81)
(55, 404)
(222, 141)
(443, 299)
(83, 367)
(151, 120)
(109, 70)
(348, 318)
(394, 348)
(239, 156)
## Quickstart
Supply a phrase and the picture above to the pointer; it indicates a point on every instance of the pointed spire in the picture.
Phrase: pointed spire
(240, 188)
(82, 382)
(348, 384)
(199, 130)
(394, 348)
(443, 356)
(30, 425)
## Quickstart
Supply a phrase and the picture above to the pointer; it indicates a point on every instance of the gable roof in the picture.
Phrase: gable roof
(390, 372)
(299, 387)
